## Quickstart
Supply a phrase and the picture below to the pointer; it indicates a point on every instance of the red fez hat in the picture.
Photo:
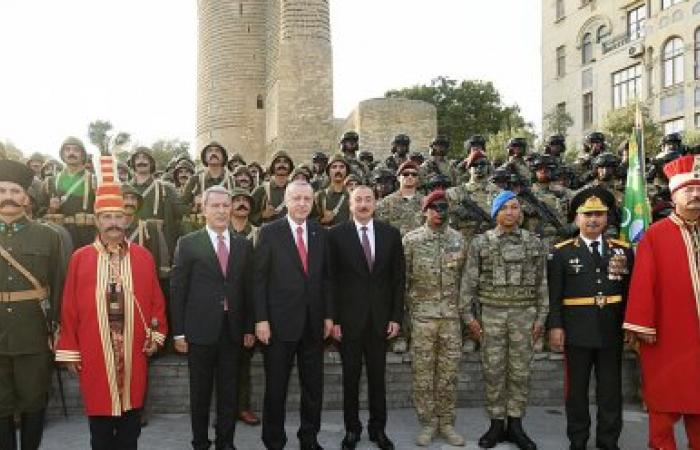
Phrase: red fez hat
(683, 172)
(434, 196)
(407, 165)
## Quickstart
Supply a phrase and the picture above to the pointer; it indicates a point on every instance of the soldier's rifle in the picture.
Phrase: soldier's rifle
(542, 210)
(472, 210)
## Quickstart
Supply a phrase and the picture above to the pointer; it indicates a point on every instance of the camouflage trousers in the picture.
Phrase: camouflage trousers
(506, 354)
(436, 351)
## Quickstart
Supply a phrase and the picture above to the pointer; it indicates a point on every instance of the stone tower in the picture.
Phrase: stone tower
(265, 76)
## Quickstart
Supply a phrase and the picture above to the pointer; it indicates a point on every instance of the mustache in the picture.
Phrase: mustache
(142, 164)
(214, 155)
(114, 228)
(242, 208)
(9, 203)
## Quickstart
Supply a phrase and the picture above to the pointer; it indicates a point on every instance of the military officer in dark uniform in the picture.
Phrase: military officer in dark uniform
(588, 279)
(31, 279)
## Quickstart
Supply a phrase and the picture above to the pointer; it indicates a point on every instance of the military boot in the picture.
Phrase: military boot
(495, 434)
(517, 436)
(425, 437)
(451, 436)
(8, 433)
(31, 430)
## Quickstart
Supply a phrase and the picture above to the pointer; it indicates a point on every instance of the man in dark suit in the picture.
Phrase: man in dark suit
(293, 312)
(212, 315)
(588, 279)
(368, 274)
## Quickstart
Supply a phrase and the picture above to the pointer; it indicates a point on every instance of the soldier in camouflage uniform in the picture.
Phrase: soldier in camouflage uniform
(552, 197)
(504, 276)
(349, 145)
(402, 209)
(435, 258)
(68, 197)
(438, 163)
(517, 152)
(556, 147)
(383, 182)
(605, 167)
(593, 145)
(367, 158)
(478, 192)
(268, 197)
(332, 203)
(31, 281)
(319, 161)
(400, 147)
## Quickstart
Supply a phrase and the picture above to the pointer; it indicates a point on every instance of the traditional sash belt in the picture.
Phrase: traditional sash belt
(19, 296)
(598, 300)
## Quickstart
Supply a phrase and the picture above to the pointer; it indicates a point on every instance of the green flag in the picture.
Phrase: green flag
(635, 210)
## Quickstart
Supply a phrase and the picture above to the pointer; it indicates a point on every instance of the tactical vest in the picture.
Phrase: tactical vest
(510, 271)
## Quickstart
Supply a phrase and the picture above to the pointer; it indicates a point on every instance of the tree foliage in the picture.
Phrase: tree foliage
(496, 144)
(464, 108)
(163, 150)
(557, 121)
(618, 125)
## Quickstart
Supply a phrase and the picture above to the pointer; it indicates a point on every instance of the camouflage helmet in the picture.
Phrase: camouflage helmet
(142, 151)
(71, 140)
(439, 180)
(350, 136)
(517, 142)
(277, 155)
(606, 159)
(213, 144)
(556, 139)
(475, 140)
(338, 157)
(440, 139)
(594, 137)
(417, 157)
(365, 156)
(319, 156)
(401, 139)
(543, 160)
(500, 176)
(382, 173)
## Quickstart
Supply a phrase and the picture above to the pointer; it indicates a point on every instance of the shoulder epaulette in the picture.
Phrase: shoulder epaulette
(621, 243)
(562, 244)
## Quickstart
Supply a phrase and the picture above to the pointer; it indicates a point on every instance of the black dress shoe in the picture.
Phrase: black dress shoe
(495, 434)
(380, 438)
(350, 440)
(516, 434)
(309, 444)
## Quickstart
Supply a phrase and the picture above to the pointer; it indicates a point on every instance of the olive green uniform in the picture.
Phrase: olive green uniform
(76, 193)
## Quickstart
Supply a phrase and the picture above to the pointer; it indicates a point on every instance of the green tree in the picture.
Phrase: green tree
(691, 137)
(618, 125)
(464, 108)
(163, 150)
(557, 121)
(100, 137)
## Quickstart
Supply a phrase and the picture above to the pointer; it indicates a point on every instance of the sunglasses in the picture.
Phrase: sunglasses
(438, 207)
(409, 174)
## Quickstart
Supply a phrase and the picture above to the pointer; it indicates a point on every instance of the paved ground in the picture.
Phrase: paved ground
(172, 431)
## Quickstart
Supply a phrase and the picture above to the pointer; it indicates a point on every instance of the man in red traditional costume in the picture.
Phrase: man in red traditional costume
(112, 319)
(663, 310)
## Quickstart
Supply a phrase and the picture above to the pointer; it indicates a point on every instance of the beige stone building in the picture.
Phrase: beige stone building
(598, 55)
(265, 82)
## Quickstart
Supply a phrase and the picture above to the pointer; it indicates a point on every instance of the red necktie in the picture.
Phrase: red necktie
(222, 254)
(301, 247)
(367, 248)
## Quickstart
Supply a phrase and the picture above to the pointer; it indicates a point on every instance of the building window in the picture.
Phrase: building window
(674, 126)
(636, 19)
(602, 33)
(627, 84)
(560, 9)
(697, 54)
(672, 65)
(697, 120)
(561, 108)
(259, 102)
(668, 3)
(587, 49)
(587, 110)
(561, 61)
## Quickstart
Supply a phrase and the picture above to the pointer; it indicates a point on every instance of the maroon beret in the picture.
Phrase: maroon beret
(437, 194)
(408, 164)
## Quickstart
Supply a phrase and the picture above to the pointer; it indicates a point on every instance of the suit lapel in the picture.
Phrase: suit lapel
(314, 249)
(355, 242)
(210, 251)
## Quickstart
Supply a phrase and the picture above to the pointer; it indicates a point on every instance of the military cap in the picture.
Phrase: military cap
(71, 140)
(406, 165)
(338, 157)
(500, 200)
(277, 155)
(352, 178)
(240, 192)
(302, 169)
(213, 144)
(591, 199)
(16, 172)
(142, 151)
(438, 194)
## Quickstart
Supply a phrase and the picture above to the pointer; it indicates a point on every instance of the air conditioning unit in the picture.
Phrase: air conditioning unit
(636, 50)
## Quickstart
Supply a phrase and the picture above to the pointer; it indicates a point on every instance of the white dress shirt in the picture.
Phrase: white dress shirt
(293, 225)
(214, 236)
(370, 234)
(599, 240)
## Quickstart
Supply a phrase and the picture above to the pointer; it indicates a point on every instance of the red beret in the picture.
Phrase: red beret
(434, 196)
(406, 165)
(473, 157)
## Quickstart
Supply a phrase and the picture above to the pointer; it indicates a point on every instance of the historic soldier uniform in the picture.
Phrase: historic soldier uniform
(271, 192)
(199, 183)
(75, 192)
(504, 275)
(333, 202)
(31, 279)
(588, 282)
(435, 257)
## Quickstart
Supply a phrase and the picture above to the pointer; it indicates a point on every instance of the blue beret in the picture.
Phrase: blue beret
(500, 199)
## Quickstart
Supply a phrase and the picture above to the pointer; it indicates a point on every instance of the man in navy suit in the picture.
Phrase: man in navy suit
(368, 273)
(293, 312)
(212, 315)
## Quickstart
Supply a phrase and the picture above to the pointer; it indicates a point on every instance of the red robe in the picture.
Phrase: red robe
(664, 299)
(85, 332)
